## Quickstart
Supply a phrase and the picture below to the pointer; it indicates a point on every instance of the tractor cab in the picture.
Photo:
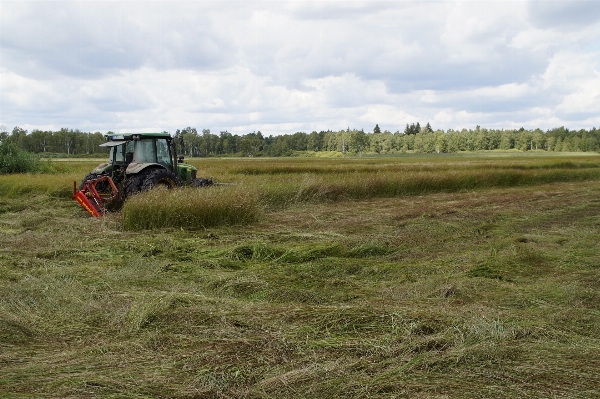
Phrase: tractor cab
(129, 154)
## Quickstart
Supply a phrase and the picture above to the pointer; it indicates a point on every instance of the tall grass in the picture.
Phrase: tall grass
(277, 185)
(54, 185)
(51, 177)
(281, 191)
(191, 208)
(368, 166)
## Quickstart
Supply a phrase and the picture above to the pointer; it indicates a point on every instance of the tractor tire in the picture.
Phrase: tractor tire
(149, 179)
(160, 178)
(103, 187)
(133, 184)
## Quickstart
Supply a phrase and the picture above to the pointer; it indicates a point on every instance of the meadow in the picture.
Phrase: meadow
(437, 276)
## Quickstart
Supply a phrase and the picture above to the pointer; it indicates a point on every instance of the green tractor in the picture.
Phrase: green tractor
(137, 162)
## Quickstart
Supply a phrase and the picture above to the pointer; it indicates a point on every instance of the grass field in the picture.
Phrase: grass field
(408, 277)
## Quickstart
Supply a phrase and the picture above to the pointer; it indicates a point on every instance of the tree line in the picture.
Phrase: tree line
(61, 142)
(413, 139)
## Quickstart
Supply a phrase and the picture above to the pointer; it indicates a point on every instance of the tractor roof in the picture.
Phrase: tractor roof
(132, 136)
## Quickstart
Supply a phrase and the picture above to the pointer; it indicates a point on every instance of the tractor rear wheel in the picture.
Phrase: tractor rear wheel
(160, 178)
(149, 179)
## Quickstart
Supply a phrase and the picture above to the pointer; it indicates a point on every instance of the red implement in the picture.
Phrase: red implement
(89, 198)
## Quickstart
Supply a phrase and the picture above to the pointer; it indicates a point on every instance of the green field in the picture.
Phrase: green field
(457, 276)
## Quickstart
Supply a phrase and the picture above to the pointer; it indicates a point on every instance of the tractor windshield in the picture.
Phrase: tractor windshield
(152, 151)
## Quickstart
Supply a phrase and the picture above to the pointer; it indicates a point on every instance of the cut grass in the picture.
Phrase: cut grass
(377, 298)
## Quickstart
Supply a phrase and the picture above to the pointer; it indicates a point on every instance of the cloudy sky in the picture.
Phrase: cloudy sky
(281, 67)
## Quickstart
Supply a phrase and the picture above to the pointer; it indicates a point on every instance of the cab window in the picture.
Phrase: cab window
(129, 152)
(116, 154)
(162, 152)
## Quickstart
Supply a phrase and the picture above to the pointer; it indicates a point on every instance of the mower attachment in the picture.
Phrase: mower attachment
(89, 198)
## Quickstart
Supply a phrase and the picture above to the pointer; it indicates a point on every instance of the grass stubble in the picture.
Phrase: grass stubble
(487, 292)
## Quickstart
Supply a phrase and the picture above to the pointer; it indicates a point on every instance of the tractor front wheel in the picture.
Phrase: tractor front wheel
(91, 176)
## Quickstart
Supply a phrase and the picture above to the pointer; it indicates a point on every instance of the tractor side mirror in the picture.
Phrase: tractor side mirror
(180, 159)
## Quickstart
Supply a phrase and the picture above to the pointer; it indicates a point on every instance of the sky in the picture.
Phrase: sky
(280, 67)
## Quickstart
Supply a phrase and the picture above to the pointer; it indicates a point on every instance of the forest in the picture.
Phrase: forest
(413, 139)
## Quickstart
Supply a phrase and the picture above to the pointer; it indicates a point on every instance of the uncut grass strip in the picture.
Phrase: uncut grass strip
(191, 208)
(243, 204)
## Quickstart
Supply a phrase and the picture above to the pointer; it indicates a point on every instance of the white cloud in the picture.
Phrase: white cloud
(280, 67)
(442, 118)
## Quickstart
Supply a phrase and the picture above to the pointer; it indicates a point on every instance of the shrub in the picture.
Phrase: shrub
(14, 160)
